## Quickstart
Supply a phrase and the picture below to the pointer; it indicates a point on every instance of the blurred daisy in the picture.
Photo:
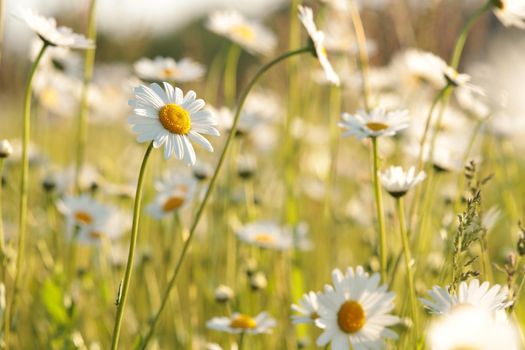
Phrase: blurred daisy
(355, 313)
(307, 18)
(472, 328)
(240, 323)
(251, 35)
(266, 234)
(113, 226)
(442, 301)
(5, 148)
(169, 118)
(47, 30)
(173, 194)
(308, 309)
(82, 212)
(167, 69)
(377, 123)
(397, 182)
(57, 93)
(510, 12)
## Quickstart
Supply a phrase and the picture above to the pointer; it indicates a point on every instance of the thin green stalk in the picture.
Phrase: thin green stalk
(383, 256)
(2, 239)
(89, 62)
(211, 187)
(408, 262)
(24, 181)
(363, 53)
(124, 288)
(241, 341)
(230, 74)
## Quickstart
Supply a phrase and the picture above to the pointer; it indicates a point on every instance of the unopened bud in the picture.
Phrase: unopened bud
(5, 149)
(258, 281)
(223, 294)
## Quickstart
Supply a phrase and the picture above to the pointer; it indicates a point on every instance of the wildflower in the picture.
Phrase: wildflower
(510, 12)
(82, 212)
(472, 328)
(173, 194)
(307, 18)
(397, 182)
(223, 294)
(377, 123)
(6, 149)
(202, 171)
(258, 281)
(47, 30)
(251, 35)
(169, 118)
(308, 309)
(240, 323)
(167, 69)
(266, 234)
(442, 301)
(355, 313)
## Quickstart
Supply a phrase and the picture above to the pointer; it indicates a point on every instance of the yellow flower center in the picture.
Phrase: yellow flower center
(264, 238)
(351, 317)
(168, 72)
(375, 126)
(175, 119)
(244, 32)
(49, 97)
(96, 234)
(173, 203)
(83, 217)
(243, 322)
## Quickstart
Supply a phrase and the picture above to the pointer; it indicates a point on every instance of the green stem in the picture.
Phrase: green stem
(379, 206)
(211, 187)
(408, 262)
(462, 39)
(363, 53)
(230, 74)
(121, 299)
(24, 181)
(2, 239)
(241, 341)
(89, 62)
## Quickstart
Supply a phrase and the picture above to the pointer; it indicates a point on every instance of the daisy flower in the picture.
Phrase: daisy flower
(47, 30)
(266, 234)
(168, 117)
(510, 12)
(173, 194)
(82, 212)
(397, 182)
(112, 227)
(240, 323)
(308, 309)
(472, 328)
(249, 34)
(355, 313)
(442, 301)
(167, 69)
(377, 123)
(307, 18)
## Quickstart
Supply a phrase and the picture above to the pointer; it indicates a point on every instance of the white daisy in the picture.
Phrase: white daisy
(174, 193)
(397, 182)
(510, 12)
(112, 226)
(472, 328)
(82, 213)
(47, 30)
(240, 323)
(167, 69)
(169, 118)
(442, 301)
(307, 18)
(355, 313)
(249, 34)
(308, 309)
(377, 123)
(266, 234)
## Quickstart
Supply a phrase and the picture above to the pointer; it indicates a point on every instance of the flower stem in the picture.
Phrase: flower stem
(89, 62)
(24, 180)
(230, 73)
(363, 53)
(408, 262)
(379, 206)
(123, 291)
(241, 341)
(171, 283)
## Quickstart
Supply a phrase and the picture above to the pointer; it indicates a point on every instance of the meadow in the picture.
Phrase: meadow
(336, 174)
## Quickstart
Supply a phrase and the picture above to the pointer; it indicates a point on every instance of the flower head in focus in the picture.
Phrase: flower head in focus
(510, 12)
(397, 182)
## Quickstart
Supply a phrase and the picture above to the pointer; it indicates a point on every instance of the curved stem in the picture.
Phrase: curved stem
(89, 62)
(408, 262)
(124, 288)
(24, 180)
(383, 256)
(211, 187)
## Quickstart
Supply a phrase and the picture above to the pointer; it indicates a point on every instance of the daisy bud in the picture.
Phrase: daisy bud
(246, 167)
(5, 149)
(223, 294)
(49, 184)
(202, 171)
(251, 267)
(521, 244)
(258, 281)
